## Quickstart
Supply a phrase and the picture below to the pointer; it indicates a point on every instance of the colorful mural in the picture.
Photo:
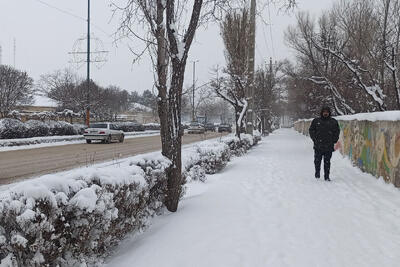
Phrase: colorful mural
(372, 146)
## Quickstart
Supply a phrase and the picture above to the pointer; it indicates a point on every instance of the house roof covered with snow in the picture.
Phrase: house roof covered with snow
(43, 101)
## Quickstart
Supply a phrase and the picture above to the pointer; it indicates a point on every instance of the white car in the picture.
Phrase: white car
(196, 128)
(105, 132)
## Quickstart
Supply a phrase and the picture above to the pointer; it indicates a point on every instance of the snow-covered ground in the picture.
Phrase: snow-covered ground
(267, 209)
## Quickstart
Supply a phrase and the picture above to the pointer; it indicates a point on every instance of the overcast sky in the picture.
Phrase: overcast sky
(45, 35)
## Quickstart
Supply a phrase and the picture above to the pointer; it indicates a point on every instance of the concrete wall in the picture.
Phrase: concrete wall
(372, 146)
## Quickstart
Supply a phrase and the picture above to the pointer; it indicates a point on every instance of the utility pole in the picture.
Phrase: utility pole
(194, 87)
(15, 50)
(79, 52)
(396, 85)
(251, 67)
(88, 69)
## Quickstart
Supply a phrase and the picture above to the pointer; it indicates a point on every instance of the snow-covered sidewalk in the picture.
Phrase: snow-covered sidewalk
(266, 209)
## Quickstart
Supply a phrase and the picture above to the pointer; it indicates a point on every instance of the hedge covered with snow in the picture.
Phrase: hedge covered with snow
(14, 129)
(74, 218)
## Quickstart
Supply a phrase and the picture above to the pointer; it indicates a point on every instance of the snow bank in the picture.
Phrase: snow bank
(374, 116)
(393, 115)
(73, 218)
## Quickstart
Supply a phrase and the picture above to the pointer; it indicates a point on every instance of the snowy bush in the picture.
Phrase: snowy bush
(155, 175)
(238, 146)
(36, 128)
(209, 158)
(61, 128)
(79, 128)
(12, 128)
(68, 221)
(14, 114)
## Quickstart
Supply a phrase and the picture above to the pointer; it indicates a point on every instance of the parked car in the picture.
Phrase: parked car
(105, 132)
(210, 127)
(224, 128)
(131, 126)
(185, 125)
(152, 126)
(196, 128)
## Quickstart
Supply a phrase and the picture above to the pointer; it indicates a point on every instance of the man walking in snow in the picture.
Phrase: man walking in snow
(324, 131)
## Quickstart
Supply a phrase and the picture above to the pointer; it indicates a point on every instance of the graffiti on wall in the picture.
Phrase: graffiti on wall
(372, 146)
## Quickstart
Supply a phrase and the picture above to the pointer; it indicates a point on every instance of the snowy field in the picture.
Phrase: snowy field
(267, 209)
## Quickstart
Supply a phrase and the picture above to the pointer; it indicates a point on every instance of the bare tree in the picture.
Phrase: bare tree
(69, 91)
(352, 52)
(16, 88)
(319, 68)
(268, 90)
(171, 26)
(231, 85)
(204, 96)
(233, 92)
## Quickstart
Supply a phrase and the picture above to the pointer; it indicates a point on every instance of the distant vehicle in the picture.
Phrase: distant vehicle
(131, 126)
(104, 132)
(196, 128)
(185, 125)
(210, 127)
(152, 126)
(224, 128)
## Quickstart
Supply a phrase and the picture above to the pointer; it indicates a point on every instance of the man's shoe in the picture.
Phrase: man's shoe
(327, 179)
(317, 177)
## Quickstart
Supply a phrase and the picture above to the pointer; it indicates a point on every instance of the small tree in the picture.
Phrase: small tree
(235, 31)
(16, 88)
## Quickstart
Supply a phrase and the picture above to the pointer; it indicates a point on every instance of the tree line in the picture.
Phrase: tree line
(69, 91)
(347, 57)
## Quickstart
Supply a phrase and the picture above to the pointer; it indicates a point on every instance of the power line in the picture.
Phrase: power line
(270, 30)
(66, 12)
(265, 39)
(258, 51)
(61, 10)
(15, 50)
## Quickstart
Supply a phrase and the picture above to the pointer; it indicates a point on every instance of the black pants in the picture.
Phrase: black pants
(318, 154)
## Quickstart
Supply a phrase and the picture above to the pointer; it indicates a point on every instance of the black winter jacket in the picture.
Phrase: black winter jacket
(325, 133)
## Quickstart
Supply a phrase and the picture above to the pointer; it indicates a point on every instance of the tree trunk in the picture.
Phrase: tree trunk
(162, 69)
(174, 138)
(168, 112)
(238, 110)
(172, 135)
